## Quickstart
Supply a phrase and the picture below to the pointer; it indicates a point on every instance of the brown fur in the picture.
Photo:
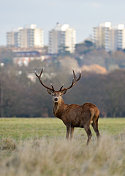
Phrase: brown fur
(77, 116)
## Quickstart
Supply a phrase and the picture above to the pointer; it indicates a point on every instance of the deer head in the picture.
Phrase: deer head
(57, 95)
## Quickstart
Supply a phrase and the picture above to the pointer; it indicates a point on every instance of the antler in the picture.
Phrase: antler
(39, 77)
(74, 81)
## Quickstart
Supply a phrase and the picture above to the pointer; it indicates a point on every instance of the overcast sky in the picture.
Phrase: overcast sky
(80, 14)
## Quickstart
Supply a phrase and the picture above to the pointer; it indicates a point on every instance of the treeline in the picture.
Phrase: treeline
(21, 97)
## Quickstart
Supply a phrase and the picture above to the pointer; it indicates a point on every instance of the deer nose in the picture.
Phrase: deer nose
(55, 99)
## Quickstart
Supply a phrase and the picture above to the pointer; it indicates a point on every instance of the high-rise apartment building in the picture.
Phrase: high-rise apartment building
(11, 39)
(102, 35)
(28, 37)
(62, 36)
(108, 37)
(119, 37)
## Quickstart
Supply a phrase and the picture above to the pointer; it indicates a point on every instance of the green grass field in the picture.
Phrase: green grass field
(22, 128)
(37, 147)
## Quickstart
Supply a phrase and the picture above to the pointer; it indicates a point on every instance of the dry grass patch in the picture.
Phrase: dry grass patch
(7, 144)
(59, 157)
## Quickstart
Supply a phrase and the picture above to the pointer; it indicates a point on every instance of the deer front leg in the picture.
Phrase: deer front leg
(71, 132)
(67, 132)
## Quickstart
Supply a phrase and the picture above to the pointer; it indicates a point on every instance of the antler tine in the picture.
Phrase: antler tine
(74, 81)
(39, 74)
(74, 75)
(36, 73)
(39, 77)
(52, 86)
(79, 77)
(61, 87)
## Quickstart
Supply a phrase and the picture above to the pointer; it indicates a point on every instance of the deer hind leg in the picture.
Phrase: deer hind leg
(89, 133)
(71, 132)
(67, 132)
(95, 127)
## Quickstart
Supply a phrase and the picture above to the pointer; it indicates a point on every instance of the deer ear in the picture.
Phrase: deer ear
(49, 91)
(63, 91)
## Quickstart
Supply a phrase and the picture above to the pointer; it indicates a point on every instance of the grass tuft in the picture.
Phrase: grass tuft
(7, 144)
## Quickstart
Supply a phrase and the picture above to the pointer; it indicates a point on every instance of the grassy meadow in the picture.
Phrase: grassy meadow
(37, 147)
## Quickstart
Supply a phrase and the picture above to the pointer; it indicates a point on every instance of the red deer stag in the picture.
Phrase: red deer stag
(73, 115)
